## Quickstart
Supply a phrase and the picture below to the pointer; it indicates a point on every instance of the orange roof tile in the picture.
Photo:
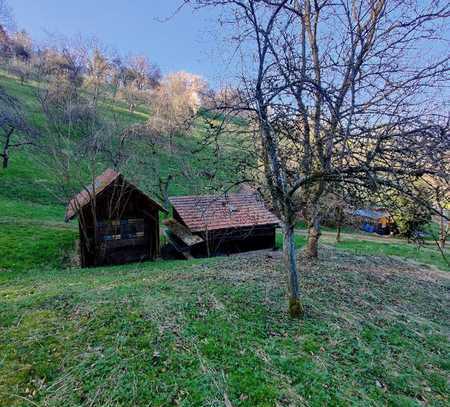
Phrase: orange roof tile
(236, 210)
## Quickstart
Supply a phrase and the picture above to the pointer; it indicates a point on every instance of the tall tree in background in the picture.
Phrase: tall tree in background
(98, 70)
(15, 130)
(6, 27)
(21, 52)
(339, 93)
(6, 17)
(137, 78)
(175, 102)
(80, 141)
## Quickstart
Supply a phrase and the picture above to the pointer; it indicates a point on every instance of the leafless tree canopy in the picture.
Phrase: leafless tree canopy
(175, 102)
(339, 93)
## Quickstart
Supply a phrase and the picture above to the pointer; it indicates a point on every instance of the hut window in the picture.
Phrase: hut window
(121, 229)
(132, 228)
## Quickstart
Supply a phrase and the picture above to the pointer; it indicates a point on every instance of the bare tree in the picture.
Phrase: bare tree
(20, 53)
(163, 168)
(5, 44)
(175, 102)
(15, 130)
(145, 74)
(98, 70)
(64, 63)
(136, 79)
(80, 141)
(338, 95)
(117, 74)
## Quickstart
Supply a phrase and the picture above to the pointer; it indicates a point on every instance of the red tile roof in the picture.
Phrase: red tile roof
(208, 212)
(101, 183)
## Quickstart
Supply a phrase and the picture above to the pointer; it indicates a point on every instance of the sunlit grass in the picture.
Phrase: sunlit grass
(422, 255)
(206, 331)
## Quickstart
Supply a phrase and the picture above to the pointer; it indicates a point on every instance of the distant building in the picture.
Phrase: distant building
(374, 220)
(118, 223)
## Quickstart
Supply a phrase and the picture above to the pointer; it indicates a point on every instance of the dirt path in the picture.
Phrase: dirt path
(358, 236)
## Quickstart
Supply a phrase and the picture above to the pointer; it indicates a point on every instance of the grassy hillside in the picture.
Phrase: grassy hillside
(26, 168)
(215, 332)
(31, 216)
(32, 232)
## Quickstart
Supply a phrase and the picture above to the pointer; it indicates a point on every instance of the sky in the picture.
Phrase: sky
(187, 41)
(183, 42)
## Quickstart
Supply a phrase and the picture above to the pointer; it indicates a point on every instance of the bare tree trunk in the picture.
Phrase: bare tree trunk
(312, 247)
(275, 172)
(290, 262)
(5, 152)
(5, 156)
(338, 233)
(163, 185)
(208, 248)
(338, 223)
(443, 231)
(5, 160)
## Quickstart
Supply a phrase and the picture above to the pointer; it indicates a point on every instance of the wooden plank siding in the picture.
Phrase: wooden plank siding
(123, 227)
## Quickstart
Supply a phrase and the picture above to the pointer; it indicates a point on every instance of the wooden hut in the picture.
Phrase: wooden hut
(118, 223)
(236, 222)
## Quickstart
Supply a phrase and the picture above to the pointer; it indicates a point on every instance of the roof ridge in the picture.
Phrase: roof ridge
(104, 180)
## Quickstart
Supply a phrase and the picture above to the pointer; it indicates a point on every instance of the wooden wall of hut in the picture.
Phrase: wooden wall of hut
(233, 240)
(123, 227)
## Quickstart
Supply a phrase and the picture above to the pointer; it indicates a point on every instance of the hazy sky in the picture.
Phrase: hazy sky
(184, 42)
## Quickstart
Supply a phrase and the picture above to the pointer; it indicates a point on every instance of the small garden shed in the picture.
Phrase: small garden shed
(236, 222)
(118, 223)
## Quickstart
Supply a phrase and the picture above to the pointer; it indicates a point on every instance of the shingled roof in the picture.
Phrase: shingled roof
(101, 183)
(208, 212)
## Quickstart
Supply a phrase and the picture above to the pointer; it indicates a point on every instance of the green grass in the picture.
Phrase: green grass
(29, 210)
(25, 245)
(423, 255)
(24, 180)
(364, 244)
(27, 179)
(206, 331)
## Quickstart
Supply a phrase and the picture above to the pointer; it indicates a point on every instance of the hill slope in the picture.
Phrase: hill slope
(215, 332)
(32, 231)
